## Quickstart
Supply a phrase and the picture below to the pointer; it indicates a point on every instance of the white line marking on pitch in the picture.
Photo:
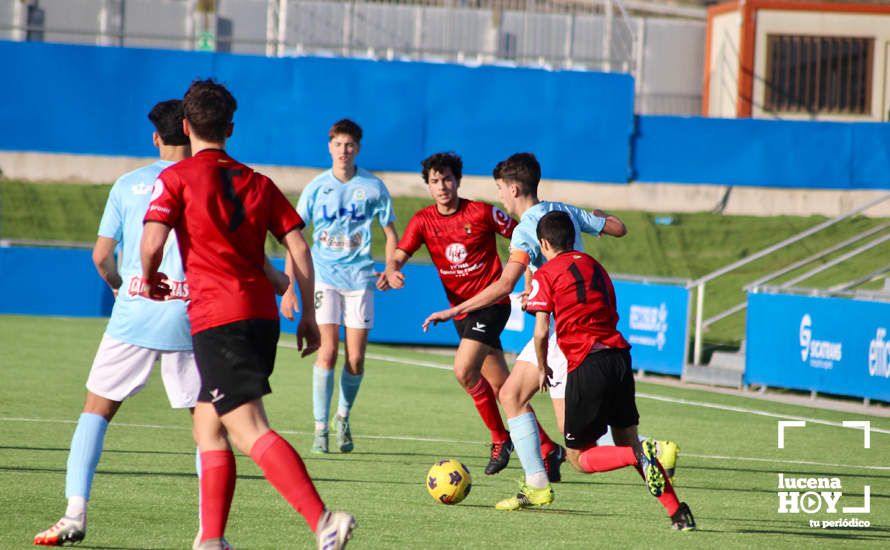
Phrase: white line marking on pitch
(466, 442)
(643, 395)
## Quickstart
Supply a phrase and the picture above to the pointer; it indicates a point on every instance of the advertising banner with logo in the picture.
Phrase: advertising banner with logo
(831, 345)
(652, 317)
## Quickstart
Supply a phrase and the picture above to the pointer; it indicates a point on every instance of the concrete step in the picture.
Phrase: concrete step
(713, 375)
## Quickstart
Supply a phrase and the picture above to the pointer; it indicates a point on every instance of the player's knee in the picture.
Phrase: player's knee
(326, 357)
(574, 458)
(468, 378)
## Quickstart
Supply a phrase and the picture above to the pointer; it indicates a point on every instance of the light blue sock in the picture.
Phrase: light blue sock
(86, 448)
(322, 391)
(607, 441)
(349, 385)
(527, 442)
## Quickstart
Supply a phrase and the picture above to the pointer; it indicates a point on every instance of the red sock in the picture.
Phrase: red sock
(217, 489)
(606, 459)
(487, 405)
(285, 470)
(668, 497)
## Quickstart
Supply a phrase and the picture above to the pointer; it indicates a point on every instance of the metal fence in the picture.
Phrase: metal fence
(579, 34)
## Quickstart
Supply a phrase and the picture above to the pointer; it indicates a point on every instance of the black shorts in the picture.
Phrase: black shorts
(484, 325)
(235, 362)
(599, 393)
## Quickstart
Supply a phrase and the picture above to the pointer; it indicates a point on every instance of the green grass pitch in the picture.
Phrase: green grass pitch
(408, 415)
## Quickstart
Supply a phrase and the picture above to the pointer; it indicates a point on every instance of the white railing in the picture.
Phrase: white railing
(699, 284)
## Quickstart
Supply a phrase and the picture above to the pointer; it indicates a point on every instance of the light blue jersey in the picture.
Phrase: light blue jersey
(525, 236)
(134, 319)
(341, 215)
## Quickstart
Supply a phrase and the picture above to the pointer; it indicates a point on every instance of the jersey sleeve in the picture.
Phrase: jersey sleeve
(282, 216)
(502, 222)
(112, 223)
(383, 209)
(166, 200)
(412, 238)
(305, 203)
(524, 248)
(587, 222)
(541, 296)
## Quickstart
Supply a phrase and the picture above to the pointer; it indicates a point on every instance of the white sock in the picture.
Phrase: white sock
(77, 508)
(537, 480)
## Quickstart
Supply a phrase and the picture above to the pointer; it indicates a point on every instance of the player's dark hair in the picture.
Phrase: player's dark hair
(439, 162)
(522, 169)
(209, 108)
(167, 119)
(348, 127)
(558, 229)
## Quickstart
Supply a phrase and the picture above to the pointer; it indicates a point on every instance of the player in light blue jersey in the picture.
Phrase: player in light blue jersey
(139, 332)
(517, 179)
(342, 204)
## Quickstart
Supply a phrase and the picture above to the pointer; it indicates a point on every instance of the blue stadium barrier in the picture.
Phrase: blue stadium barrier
(63, 282)
(764, 153)
(52, 281)
(831, 345)
(654, 318)
(286, 105)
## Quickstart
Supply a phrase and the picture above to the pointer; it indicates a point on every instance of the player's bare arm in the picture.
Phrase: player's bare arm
(614, 227)
(154, 235)
(103, 259)
(289, 304)
(490, 295)
(299, 261)
(280, 281)
(394, 276)
(523, 296)
(542, 335)
(392, 239)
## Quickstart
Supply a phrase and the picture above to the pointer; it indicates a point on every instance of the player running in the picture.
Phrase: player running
(517, 180)
(577, 291)
(342, 204)
(460, 235)
(139, 332)
(221, 211)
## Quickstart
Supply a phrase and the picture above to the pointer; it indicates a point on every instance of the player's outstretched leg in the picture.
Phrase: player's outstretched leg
(668, 451)
(83, 457)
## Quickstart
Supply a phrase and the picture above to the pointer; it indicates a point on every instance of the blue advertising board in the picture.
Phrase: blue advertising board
(830, 345)
(654, 318)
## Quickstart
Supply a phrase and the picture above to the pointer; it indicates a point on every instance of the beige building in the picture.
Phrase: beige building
(797, 60)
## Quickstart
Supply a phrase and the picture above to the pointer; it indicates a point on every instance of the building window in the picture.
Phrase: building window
(819, 74)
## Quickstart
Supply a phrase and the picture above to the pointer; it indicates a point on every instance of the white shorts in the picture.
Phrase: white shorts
(121, 370)
(354, 307)
(555, 360)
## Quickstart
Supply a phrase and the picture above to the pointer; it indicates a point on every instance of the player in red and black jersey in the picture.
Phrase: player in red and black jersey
(577, 291)
(221, 211)
(461, 237)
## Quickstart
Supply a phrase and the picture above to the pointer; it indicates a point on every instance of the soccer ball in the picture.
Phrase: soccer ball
(448, 481)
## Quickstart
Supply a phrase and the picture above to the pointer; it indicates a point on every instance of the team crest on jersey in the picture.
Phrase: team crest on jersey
(359, 195)
(157, 189)
(500, 217)
(456, 253)
(141, 189)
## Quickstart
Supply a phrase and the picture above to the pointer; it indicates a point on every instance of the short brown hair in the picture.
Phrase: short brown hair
(522, 169)
(348, 127)
(439, 162)
(209, 108)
